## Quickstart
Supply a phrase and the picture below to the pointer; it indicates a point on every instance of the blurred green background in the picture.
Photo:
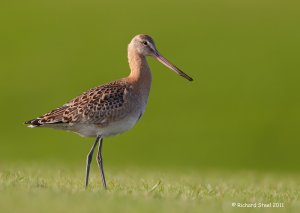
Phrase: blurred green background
(241, 112)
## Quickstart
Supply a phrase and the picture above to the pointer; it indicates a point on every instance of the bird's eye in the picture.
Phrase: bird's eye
(145, 43)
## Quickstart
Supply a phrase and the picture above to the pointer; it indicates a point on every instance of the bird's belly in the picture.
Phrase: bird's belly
(109, 129)
(118, 127)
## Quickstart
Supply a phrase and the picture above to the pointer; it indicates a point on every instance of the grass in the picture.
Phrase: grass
(56, 189)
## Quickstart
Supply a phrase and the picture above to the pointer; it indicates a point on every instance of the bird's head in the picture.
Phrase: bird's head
(145, 46)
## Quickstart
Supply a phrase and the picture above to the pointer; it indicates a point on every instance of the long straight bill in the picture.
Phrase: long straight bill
(171, 66)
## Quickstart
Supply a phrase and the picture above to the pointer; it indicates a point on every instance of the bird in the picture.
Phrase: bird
(111, 108)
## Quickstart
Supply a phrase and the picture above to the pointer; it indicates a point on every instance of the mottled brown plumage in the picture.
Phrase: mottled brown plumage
(96, 105)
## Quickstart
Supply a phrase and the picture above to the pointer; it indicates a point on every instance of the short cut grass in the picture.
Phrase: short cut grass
(55, 189)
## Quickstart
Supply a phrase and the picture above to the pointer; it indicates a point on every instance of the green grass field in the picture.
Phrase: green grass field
(46, 188)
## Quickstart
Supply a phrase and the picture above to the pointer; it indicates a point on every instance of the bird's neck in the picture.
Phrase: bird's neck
(140, 71)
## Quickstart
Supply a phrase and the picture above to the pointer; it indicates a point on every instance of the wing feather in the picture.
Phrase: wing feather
(96, 105)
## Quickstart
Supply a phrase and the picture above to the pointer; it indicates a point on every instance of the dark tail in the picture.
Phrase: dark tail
(34, 122)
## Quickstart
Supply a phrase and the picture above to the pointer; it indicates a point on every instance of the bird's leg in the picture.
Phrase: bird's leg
(89, 160)
(100, 163)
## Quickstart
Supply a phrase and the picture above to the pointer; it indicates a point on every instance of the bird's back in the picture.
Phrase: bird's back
(114, 104)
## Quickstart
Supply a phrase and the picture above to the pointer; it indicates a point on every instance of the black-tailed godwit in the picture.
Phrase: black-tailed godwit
(112, 108)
